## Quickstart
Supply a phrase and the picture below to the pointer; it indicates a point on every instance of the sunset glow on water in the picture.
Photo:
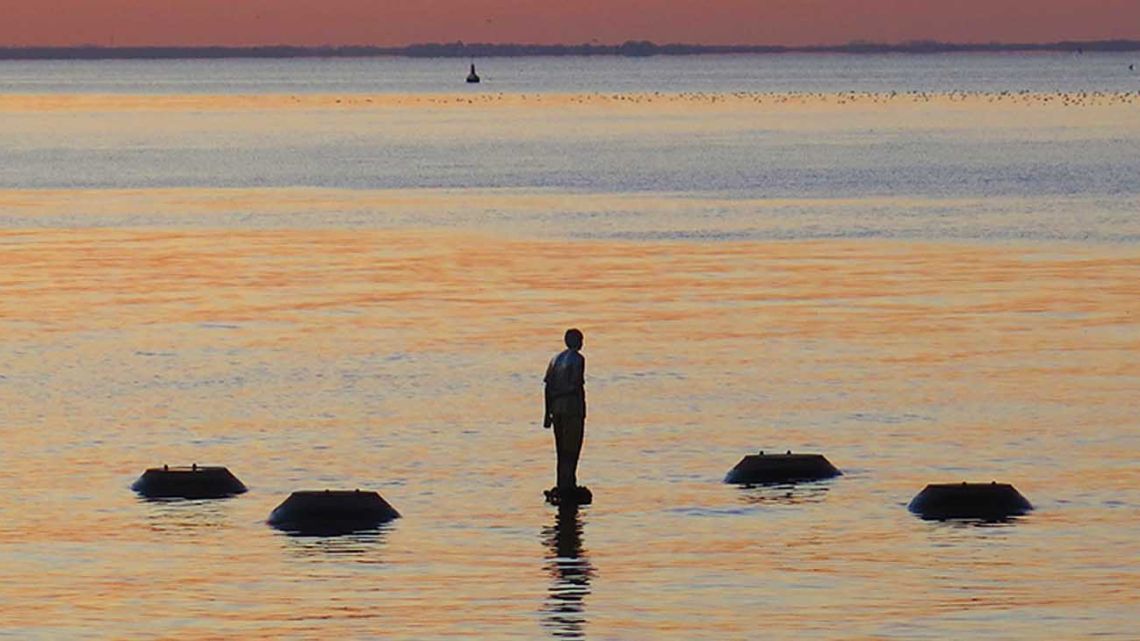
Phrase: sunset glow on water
(365, 294)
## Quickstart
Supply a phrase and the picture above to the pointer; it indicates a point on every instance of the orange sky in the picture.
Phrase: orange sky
(395, 22)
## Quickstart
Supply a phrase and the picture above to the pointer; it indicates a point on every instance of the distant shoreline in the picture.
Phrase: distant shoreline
(486, 50)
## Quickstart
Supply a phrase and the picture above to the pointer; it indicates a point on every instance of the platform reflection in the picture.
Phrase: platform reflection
(785, 493)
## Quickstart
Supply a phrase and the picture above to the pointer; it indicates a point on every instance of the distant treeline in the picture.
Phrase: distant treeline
(464, 50)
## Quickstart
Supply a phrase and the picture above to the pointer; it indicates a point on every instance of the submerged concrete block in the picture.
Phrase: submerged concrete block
(193, 482)
(781, 468)
(988, 501)
(331, 512)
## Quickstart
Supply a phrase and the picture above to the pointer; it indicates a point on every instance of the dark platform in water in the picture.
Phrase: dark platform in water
(193, 482)
(331, 512)
(764, 468)
(989, 501)
(582, 496)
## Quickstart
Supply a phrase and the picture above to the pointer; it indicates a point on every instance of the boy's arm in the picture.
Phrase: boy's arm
(547, 420)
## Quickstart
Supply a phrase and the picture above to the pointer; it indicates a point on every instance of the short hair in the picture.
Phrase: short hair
(573, 339)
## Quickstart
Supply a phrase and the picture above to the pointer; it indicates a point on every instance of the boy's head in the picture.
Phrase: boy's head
(573, 339)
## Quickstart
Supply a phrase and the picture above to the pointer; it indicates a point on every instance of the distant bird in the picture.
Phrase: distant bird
(472, 77)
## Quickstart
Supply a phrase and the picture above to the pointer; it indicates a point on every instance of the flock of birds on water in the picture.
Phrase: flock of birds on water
(1022, 97)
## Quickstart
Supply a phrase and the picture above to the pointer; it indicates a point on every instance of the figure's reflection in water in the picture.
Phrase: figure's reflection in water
(564, 613)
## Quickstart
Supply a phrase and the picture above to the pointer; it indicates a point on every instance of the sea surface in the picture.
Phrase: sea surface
(351, 274)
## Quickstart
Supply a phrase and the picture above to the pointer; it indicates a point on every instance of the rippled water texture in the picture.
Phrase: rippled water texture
(364, 294)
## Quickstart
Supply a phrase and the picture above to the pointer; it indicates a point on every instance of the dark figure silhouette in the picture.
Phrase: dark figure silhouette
(564, 610)
(566, 409)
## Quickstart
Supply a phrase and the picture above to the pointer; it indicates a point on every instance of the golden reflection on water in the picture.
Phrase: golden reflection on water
(240, 326)
(409, 361)
(433, 287)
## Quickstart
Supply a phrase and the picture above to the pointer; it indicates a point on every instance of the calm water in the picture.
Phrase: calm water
(791, 72)
(341, 274)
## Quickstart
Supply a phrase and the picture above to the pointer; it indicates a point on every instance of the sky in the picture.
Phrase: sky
(400, 22)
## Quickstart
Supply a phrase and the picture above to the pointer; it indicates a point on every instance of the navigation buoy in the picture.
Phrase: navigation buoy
(781, 468)
(193, 482)
(989, 501)
(331, 512)
(472, 77)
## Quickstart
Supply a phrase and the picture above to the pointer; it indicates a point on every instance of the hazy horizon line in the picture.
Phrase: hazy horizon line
(459, 49)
